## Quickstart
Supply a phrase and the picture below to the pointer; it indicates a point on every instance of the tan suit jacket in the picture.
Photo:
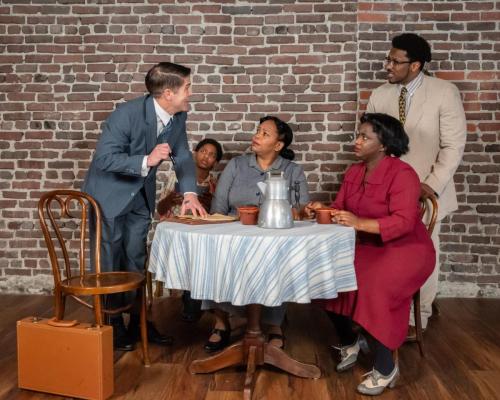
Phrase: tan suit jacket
(437, 130)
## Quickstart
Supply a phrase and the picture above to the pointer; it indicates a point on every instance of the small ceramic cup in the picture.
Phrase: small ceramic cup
(249, 215)
(324, 215)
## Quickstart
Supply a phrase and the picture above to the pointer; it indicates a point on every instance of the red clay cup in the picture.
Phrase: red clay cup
(324, 215)
(249, 215)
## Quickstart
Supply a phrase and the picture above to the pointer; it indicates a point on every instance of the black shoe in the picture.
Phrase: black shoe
(225, 336)
(192, 308)
(121, 338)
(153, 335)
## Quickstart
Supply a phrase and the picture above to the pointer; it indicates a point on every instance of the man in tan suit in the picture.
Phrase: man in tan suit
(433, 117)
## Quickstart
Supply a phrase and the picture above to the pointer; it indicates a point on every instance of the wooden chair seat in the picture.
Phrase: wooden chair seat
(103, 283)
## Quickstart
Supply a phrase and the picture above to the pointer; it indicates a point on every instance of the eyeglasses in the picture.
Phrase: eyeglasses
(394, 62)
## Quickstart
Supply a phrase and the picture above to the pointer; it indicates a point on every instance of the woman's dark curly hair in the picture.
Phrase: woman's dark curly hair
(390, 132)
(213, 142)
(285, 135)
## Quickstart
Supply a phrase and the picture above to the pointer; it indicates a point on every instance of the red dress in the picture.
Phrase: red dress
(390, 266)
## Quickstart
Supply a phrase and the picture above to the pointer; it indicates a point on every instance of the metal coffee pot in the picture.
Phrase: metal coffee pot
(276, 211)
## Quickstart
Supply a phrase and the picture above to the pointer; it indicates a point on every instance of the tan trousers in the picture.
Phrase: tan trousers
(429, 290)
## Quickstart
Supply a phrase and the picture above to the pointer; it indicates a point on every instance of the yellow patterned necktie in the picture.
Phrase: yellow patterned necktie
(402, 105)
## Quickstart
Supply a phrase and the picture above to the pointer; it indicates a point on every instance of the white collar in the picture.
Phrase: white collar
(161, 113)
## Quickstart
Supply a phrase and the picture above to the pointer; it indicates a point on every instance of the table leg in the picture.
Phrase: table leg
(254, 351)
(233, 355)
(278, 358)
(250, 375)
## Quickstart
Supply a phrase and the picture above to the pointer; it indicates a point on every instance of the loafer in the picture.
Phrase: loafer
(121, 338)
(154, 336)
(375, 383)
(123, 343)
(225, 336)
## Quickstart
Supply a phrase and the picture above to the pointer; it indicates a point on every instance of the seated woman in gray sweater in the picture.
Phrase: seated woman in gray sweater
(237, 187)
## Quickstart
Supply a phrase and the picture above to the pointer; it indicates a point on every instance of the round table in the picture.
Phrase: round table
(248, 265)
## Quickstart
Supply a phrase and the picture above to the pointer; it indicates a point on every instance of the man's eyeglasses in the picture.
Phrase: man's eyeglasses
(394, 62)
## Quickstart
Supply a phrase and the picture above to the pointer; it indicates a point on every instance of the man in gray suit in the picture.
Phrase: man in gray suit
(433, 116)
(135, 139)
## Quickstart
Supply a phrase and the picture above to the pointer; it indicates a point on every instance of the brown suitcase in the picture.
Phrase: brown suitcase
(65, 357)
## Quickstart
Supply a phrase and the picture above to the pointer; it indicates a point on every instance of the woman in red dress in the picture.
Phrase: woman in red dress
(394, 254)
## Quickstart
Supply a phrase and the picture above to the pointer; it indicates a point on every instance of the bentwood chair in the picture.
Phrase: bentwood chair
(64, 219)
(430, 204)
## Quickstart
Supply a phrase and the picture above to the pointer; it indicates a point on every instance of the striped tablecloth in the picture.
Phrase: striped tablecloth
(244, 264)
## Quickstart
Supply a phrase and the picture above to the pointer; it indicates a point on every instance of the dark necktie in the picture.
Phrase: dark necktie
(162, 137)
(402, 105)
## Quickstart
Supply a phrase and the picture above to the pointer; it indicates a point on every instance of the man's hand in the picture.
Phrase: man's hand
(159, 153)
(192, 203)
(426, 191)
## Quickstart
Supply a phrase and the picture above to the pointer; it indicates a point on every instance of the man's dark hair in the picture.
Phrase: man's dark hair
(285, 135)
(165, 75)
(213, 142)
(416, 47)
(390, 132)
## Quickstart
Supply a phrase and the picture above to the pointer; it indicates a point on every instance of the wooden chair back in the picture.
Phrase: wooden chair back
(55, 210)
(429, 204)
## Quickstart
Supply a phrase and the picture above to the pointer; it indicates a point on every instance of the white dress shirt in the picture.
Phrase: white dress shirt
(162, 119)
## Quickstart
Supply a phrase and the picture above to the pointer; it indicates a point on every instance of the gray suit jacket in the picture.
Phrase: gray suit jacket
(129, 134)
(437, 130)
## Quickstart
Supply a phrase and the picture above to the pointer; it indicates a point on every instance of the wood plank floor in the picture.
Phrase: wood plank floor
(463, 357)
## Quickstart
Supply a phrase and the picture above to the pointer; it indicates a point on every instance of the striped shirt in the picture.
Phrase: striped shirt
(411, 88)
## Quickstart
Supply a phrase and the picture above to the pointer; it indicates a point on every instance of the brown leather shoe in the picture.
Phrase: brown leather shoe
(412, 334)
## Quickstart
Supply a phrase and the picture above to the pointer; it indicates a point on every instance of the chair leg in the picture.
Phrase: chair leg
(60, 304)
(436, 310)
(98, 310)
(395, 357)
(149, 289)
(144, 332)
(418, 323)
(159, 289)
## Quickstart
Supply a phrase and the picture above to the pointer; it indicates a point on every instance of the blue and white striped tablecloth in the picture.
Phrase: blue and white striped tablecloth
(244, 264)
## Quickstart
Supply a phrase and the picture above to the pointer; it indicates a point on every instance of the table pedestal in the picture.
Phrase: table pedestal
(254, 351)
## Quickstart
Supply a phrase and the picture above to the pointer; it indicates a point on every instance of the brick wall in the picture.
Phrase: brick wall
(65, 64)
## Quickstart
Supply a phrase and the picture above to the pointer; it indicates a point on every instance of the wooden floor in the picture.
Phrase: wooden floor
(463, 360)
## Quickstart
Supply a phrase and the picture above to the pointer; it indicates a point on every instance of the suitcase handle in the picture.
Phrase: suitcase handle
(60, 323)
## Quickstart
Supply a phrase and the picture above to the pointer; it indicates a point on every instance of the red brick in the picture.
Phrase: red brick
(371, 17)
(186, 19)
(306, 59)
(451, 75)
